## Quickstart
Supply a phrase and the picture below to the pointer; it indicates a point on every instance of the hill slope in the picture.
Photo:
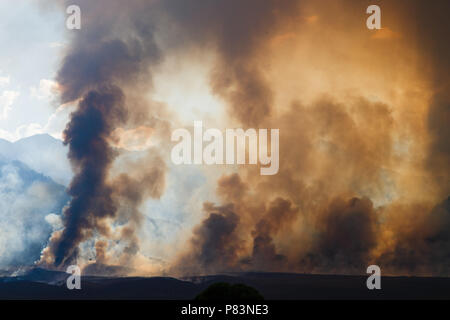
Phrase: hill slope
(26, 199)
(41, 153)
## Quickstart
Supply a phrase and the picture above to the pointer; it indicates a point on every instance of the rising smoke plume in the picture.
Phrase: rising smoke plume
(350, 191)
(103, 68)
(239, 30)
(364, 159)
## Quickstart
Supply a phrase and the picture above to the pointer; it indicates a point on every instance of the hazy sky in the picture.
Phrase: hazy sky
(32, 40)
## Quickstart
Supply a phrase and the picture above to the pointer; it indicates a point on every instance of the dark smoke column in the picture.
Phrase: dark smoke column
(110, 56)
(91, 157)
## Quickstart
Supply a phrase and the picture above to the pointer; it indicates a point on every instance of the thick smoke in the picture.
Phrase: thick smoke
(425, 25)
(347, 232)
(97, 114)
(364, 152)
(216, 241)
(278, 217)
(354, 188)
(103, 68)
(419, 238)
(239, 30)
(434, 28)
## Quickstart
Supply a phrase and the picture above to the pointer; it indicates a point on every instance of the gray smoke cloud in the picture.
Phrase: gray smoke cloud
(104, 66)
(317, 214)
(239, 30)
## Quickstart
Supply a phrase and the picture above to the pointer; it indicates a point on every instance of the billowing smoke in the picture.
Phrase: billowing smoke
(419, 239)
(216, 241)
(98, 113)
(346, 237)
(239, 30)
(435, 27)
(363, 175)
(363, 178)
(103, 72)
(279, 215)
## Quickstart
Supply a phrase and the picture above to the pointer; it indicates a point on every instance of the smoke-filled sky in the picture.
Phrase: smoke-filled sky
(363, 126)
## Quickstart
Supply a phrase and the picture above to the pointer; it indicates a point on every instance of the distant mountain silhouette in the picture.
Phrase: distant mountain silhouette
(41, 153)
(40, 275)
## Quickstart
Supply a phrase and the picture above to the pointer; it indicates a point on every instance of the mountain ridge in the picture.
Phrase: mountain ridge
(41, 153)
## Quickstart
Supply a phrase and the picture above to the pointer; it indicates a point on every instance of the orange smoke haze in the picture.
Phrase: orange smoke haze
(363, 118)
(354, 186)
